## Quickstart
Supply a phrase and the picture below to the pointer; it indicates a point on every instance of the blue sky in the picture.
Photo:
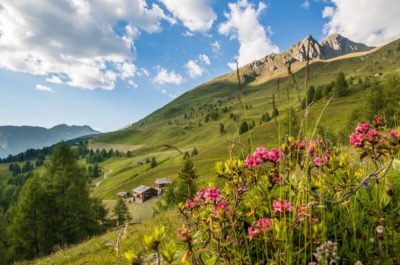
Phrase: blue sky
(110, 63)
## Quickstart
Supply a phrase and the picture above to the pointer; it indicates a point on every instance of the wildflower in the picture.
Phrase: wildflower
(355, 140)
(320, 161)
(252, 233)
(281, 205)
(366, 184)
(190, 204)
(313, 146)
(224, 207)
(261, 225)
(253, 161)
(362, 128)
(213, 194)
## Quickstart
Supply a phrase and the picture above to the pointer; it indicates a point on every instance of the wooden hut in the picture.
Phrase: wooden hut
(142, 193)
(161, 183)
(123, 194)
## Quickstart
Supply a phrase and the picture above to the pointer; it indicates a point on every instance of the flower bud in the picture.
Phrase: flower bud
(380, 230)
(389, 189)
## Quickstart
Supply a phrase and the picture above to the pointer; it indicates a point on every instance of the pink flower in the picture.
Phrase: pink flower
(252, 233)
(190, 204)
(213, 194)
(314, 145)
(362, 128)
(223, 206)
(394, 133)
(281, 205)
(374, 133)
(261, 225)
(355, 140)
(253, 161)
(320, 161)
(200, 193)
(260, 152)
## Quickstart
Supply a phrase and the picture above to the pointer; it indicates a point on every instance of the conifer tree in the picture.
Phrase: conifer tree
(195, 152)
(153, 163)
(121, 212)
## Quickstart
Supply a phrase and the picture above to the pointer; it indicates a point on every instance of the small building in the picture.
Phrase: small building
(123, 194)
(161, 183)
(142, 193)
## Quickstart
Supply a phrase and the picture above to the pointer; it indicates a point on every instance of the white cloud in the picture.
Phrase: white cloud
(368, 21)
(143, 71)
(44, 88)
(133, 84)
(305, 5)
(164, 91)
(204, 58)
(188, 34)
(75, 38)
(196, 15)
(163, 77)
(216, 47)
(172, 95)
(194, 69)
(126, 69)
(54, 79)
(243, 25)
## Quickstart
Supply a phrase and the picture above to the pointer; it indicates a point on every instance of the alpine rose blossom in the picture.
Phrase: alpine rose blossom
(281, 205)
(355, 140)
(362, 128)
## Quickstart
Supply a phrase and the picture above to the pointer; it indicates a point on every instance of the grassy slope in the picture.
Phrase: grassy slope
(155, 130)
(212, 145)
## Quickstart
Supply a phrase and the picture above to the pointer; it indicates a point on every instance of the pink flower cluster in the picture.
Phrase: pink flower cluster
(320, 161)
(363, 132)
(208, 194)
(262, 155)
(224, 207)
(298, 145)
(260, 226)
(314, 145)
(281, 205)
(193, 203)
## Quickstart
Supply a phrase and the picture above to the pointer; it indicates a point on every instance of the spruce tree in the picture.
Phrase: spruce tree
(195, 152)
(243, 127)
(310, 94)
(340, 85)
(121, 212)
(153, 163)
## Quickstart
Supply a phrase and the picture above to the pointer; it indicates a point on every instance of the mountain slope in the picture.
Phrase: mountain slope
(16, 139)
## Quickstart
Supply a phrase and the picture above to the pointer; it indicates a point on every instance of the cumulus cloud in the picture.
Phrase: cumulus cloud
(54, 79)
(194, 69)
(172, 95)
(196, 15)
(368, 21)
(44, 88)
(305, 5)
(243, 24)
(163, 77)
(204, 58)
(75, 38)
(126, 69)
(164, 91)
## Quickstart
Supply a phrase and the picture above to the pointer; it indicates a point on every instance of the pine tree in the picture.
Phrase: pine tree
(195, 152)
(121, 212)
(153, 163)
(243, 127)
(310, 94)
(221, 128)
(340, 85)
(186, 156)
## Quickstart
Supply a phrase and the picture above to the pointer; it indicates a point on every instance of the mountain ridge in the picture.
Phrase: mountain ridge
(16, 139)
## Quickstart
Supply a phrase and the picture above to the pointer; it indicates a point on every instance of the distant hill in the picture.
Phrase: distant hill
(16, 139)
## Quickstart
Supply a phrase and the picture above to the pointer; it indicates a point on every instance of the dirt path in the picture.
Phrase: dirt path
(99, 182)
